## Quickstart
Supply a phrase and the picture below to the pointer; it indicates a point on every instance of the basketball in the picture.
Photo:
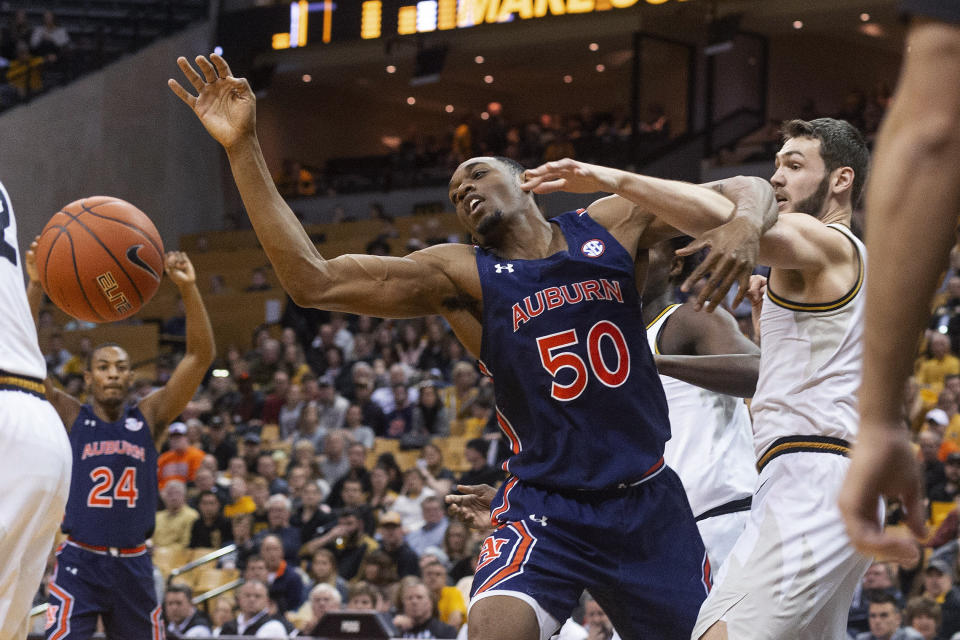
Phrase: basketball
(100, 259)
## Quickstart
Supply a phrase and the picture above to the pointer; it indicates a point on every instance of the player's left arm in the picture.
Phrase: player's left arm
(709, 351)
(166, 403)
(800, 241)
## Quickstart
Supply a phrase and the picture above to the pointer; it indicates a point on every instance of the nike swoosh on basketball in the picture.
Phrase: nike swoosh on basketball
(133, 257)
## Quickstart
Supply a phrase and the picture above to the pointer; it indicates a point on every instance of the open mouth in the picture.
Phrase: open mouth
(473, 203)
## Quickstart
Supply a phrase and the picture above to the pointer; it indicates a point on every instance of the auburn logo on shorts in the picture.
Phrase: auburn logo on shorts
(489, 551)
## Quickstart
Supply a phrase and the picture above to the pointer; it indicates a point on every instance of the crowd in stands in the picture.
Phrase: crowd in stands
(32, 57)
(420, 158)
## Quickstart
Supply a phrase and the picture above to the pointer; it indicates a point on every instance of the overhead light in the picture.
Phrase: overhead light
(484, 115)
(567, 79)
(601, 68)
(798, 24)
(864, 17)
(307, 77)
(488, 79)
(479, 59)
(448, 108)
(218, 50)
(391, 68)
(411, 101)
(594, 46)
(873, 30)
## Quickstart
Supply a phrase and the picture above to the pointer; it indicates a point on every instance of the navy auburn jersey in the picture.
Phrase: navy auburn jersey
(113, 491)
(577, 391)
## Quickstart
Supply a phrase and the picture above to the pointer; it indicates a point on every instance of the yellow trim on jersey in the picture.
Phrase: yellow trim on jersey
(23, 383)
(826, 306)
(803, 445)
(656, 341)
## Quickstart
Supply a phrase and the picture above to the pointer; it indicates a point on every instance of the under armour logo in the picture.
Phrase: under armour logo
(541, 520)
(504, 267)
(89, 423)
(72, 570)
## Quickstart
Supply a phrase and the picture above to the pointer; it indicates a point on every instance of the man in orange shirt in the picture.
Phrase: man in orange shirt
(182, 460)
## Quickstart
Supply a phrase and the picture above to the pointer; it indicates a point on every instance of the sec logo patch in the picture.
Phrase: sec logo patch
(132, 424)
(593, 248)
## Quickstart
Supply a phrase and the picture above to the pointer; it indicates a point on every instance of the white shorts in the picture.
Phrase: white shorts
(35, 465)
(719, 534)
(792, 573)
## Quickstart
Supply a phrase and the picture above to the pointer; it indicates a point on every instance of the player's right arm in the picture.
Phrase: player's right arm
(66, 405)
(800, 242)
(415, 285)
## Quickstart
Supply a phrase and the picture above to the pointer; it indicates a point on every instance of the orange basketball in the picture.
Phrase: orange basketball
(100, 259)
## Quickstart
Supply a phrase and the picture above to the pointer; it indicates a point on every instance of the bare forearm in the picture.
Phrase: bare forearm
(200, 340)
(752, 196)
(912, 200)
(688, 207)
(292, 254)
(734, 375)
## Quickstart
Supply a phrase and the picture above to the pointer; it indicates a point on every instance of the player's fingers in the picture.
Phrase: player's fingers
(717, 276)
(223, 69)
(209, 73)
(691, 248)
(190, 73)
(723, 288)
(702, 269)
(181, 93)
(743, 284)
(551, 186)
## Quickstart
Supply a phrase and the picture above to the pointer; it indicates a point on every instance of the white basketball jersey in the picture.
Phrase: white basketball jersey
(19, 351)
(711, 443)
(810, 364)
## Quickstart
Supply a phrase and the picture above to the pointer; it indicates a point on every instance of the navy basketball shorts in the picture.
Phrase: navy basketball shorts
(637, 550)
(89, 584)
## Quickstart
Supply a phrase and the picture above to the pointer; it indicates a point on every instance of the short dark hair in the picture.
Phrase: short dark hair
(921, 606)
(479, 445)
(178, 587)
(102, 345)
(513, 165)
(882, 597)
(207, 493)
(841, 145)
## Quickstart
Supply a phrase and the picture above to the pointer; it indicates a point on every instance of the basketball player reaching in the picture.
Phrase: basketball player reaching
(707, 366)
(912, 200)
(35, 473)
(103, 568)
(793, 571)
(551, 309)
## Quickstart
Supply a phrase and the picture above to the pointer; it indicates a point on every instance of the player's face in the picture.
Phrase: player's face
(801, 182)
(884, 619)
(109, 375)
(485, 193)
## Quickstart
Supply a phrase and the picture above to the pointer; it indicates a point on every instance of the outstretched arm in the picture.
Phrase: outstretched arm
(913, 197)
(731, 224)
(67, 407)
(167, 402)
(386, 287)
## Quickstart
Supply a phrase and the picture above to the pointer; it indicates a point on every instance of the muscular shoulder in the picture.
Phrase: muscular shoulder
(623, 219)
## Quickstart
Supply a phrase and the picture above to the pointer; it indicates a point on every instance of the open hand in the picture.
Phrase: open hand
(225, 105)
(733, 249)
(473, 507)
(883, 465)
(570, 176)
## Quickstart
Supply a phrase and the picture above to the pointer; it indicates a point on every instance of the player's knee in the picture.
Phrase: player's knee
(502, 618)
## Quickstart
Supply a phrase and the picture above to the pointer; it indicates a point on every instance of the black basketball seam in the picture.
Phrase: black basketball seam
(159, 250)
(46, 262)
(86, 209)
(76, 273)
(110, 253)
